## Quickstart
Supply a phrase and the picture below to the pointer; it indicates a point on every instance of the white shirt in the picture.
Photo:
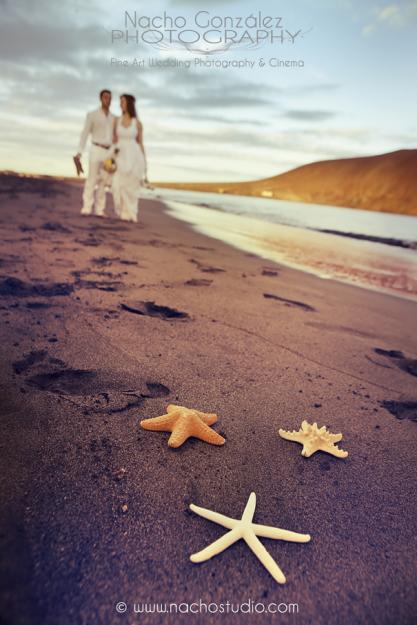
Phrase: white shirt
(100, 126)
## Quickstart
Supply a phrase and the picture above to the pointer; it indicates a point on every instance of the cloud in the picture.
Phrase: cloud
(205, 116)
(310, 116)
(313, 88)
(188, 90)
(55, 58)
(392, 15)
(405, 139)
(51, 33)
(368, 29)
(197, 3)
(38, 42)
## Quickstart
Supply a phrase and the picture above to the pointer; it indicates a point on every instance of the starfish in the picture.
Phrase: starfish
(244, 528)
(183, 423)
(315, 439)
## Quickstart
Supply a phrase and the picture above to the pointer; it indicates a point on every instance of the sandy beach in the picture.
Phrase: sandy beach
(104, 323)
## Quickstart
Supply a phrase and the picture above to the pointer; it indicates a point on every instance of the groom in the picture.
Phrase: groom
(98, 124)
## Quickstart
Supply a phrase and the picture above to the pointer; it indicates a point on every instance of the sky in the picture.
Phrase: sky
(352, 93)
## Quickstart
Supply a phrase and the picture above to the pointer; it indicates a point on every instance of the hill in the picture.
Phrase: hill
(386, 183)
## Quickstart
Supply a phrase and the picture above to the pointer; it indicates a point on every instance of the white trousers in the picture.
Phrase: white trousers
(94, 195)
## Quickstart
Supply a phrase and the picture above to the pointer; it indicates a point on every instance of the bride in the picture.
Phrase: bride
(130, 159)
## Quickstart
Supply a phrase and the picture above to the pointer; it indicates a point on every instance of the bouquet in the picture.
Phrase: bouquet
(109, 164)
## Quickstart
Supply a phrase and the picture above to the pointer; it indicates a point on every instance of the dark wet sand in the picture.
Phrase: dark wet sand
(103, 324)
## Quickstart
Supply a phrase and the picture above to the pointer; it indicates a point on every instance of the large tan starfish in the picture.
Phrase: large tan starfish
(313, 439)
(184, 423)
(244, 528)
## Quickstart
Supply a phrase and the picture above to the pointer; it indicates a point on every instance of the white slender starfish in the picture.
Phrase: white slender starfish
(244, 528)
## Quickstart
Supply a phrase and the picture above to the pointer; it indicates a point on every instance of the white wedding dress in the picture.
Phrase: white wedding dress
(130, 171)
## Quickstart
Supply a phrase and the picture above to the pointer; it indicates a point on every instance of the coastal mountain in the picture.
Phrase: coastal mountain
(386, 183)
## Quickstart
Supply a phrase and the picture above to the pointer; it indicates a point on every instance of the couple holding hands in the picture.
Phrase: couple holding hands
(116, 149)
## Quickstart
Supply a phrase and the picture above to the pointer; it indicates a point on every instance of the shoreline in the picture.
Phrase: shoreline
(406, 244)
(379, 268)
(412, 245)
(104, 324)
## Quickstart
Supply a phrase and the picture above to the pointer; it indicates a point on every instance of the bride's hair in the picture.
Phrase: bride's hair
(130, 102)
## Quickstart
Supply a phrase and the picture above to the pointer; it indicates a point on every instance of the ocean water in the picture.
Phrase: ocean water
(291, 233)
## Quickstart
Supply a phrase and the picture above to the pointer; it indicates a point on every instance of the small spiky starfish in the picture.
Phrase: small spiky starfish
(315, 439)
(184, 423)
(249, 531)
